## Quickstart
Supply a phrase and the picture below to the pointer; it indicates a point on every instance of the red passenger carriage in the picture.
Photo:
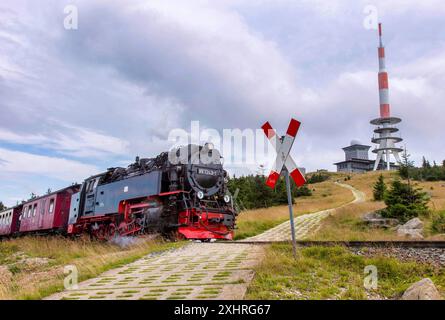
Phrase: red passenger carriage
(47, 213)
(9, 220)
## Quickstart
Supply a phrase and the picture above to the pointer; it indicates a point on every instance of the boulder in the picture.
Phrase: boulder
(414, 223)
(375, 220)
(411, 233)
(422, 290)
(413, 229)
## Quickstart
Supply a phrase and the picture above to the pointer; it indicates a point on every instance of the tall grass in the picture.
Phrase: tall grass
(31, 280)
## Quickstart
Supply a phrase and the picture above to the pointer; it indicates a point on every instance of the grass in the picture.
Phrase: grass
(333, 273)
(325, 195)
(37, 263)
(346, 223)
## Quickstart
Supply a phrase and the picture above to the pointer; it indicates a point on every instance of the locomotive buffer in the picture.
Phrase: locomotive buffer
(285, 165)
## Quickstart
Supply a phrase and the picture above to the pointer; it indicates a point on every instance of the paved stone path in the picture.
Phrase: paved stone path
(304, 224)
(195, 271)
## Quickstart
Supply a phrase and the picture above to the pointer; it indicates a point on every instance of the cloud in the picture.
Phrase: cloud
(135, 70)
(207, 58)
(70, 140)
(23, 163)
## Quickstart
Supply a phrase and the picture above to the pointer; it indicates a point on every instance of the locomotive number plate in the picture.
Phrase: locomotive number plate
(207, 172)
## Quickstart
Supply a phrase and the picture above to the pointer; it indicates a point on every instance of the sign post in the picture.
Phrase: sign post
(286, 165)
(291, 213)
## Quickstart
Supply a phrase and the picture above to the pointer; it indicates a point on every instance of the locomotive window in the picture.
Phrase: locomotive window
(51, 206)
(89, 186)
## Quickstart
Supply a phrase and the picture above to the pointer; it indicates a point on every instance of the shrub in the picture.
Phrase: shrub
(379, 189)
(318, 177)
(438, 224)
(404, 202)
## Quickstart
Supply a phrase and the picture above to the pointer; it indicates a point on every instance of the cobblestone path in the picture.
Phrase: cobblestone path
(195, 271)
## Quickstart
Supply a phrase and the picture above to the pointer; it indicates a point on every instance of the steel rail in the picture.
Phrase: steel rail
(353, 244)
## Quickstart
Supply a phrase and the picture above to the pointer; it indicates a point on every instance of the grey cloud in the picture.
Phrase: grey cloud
(136, 74)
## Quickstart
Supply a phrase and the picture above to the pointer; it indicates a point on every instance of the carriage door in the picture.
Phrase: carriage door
(90, 196)
(42, 213)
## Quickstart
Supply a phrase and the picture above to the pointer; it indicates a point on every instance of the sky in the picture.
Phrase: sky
(74, 101)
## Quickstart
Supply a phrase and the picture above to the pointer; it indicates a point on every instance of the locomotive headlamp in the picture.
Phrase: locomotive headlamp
(227, 198)
(200, 195)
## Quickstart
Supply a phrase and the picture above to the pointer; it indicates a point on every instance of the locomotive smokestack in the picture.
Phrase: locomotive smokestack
(385, 111)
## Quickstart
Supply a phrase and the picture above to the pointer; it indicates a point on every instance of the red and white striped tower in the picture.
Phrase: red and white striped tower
(385, 111)
(385, 124)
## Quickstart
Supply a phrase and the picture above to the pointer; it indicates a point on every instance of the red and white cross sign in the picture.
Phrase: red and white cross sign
(283, 158)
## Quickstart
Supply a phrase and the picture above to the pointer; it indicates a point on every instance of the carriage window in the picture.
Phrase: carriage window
(51, 206)
(42, 208)
(34, 210)
(26, 212)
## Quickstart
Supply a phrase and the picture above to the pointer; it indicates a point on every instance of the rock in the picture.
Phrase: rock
(415, 223)
(422, 290)
(411, 233)
(372, 215)
(375, 220)
(413, 229)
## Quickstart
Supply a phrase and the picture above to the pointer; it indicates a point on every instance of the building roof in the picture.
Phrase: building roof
(357, 146)
(356, 160)
(362, 161)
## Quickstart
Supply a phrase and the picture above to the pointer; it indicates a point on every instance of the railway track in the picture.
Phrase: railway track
(351, 244)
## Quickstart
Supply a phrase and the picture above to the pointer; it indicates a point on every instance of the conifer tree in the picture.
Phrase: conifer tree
(379, 189)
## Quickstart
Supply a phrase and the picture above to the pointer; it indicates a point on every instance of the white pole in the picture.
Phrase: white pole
(291, 214)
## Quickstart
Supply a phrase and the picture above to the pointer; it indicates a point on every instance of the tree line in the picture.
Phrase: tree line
(427, 172)
(251, 192)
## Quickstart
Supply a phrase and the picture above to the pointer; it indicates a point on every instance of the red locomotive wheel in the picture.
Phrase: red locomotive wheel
(102, 233)
(123, 228)
(112, 231)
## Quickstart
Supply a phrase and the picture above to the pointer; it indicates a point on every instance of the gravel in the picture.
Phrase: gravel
(433, 256)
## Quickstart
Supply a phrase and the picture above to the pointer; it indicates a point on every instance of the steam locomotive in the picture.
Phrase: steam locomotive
(182, 193)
